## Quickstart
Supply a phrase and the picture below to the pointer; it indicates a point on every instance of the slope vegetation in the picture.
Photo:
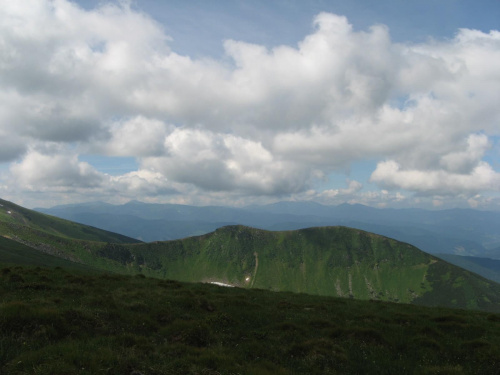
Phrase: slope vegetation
(464, 232)
(15, 253)
(57, 322)
(14, 217)
(329, 261)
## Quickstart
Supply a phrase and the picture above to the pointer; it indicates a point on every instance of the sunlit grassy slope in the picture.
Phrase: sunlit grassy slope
(334, 261)
(57, 322)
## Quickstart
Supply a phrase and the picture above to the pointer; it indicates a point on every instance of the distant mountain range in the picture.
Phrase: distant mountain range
(331, 261)
(457, 231)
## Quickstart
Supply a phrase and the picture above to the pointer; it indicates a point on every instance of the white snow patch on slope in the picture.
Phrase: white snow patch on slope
(221, 284)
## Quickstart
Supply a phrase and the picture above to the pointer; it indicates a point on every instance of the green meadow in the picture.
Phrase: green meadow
(56, 321)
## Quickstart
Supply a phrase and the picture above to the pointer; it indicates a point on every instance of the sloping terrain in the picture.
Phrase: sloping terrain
(462, 232)
(329, 261)
(13, 217)
(333, 261)
(29, 237)
(489, 268)
(57, 322)
(12, 252)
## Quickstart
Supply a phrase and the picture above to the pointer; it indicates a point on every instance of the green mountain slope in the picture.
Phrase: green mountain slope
(331, 261)
(12, 252)
(328, 261)
(13, 217)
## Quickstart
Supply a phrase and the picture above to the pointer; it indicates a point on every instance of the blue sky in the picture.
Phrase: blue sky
(199, 27)
(384, 103)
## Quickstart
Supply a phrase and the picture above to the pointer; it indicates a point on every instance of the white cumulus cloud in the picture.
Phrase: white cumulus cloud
(440, 182)
(38, 171)
(260, 122)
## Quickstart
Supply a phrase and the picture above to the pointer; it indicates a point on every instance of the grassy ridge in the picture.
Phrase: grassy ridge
(334, 261)
(56, 322)
(330, 261)
(13, 216)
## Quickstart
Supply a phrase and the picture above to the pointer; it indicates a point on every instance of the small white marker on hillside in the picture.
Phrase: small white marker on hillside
(9, 212)
(247, 278)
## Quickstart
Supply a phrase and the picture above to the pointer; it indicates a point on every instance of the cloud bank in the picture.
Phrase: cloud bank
(257, 123)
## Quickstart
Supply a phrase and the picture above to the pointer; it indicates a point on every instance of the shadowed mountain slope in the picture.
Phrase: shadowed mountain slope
(13, 217)
(15, 253)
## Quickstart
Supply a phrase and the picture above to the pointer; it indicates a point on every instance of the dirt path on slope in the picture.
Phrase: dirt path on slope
(256, 255)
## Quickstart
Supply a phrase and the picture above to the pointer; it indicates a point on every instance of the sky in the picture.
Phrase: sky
(384, 103)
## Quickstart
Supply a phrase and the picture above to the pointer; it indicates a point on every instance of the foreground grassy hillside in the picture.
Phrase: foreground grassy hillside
(57, 322)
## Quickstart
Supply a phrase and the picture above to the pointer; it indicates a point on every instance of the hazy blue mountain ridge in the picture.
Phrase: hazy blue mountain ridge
(457, 231)
(464, 232)
(486, 267)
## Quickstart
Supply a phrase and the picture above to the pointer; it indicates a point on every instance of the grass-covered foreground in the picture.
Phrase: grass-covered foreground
(53, 321)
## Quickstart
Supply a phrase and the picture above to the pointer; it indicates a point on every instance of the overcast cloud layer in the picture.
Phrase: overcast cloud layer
(257, 124)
